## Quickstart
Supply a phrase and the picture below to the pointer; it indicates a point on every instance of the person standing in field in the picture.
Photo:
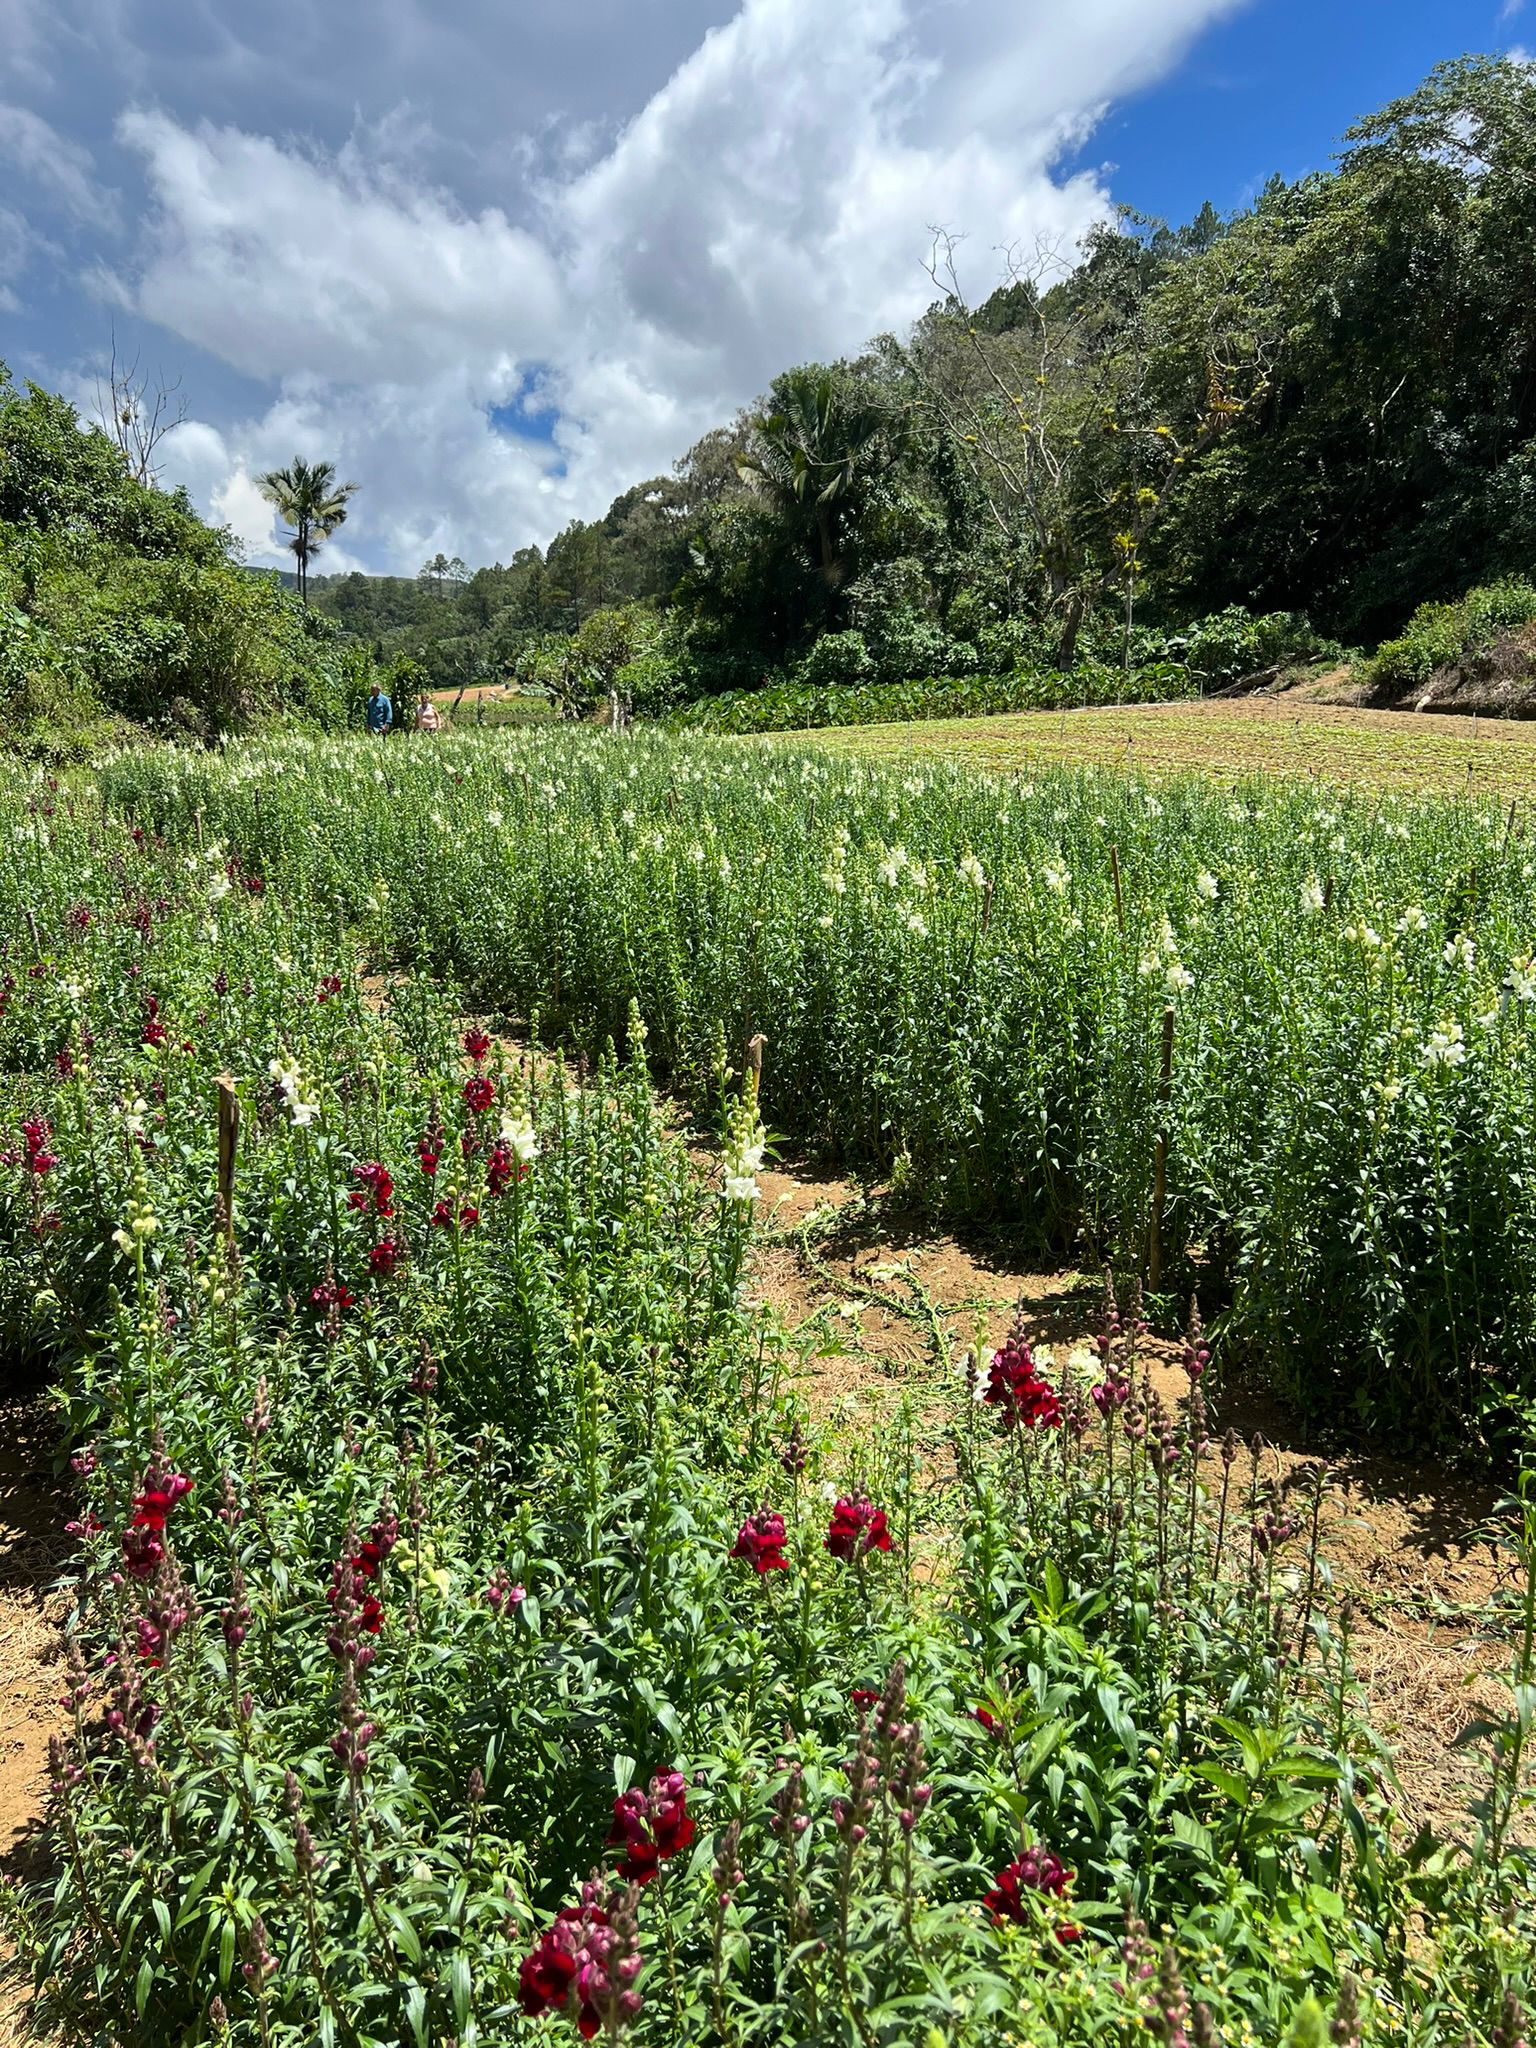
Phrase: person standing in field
(381, 713)
(427, 719)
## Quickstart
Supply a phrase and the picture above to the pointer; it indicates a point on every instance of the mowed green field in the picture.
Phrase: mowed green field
(1259, 736)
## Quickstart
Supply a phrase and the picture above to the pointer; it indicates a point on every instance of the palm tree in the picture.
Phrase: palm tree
(308, 499)
(823, 442)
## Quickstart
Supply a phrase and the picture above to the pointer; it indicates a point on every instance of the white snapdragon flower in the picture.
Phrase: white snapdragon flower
(1206, 885)
(290, 1085)
(1178, 978)
(218, 887)
(1460, 952)
(1055, 878)
(1312, 895)
(1521, 979)
(520, 1138)
(495, 820)
(972, 871)
(1444, 1048)
(1413, 919)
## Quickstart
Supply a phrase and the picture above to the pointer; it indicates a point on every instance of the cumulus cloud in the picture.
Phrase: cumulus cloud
(768, 203)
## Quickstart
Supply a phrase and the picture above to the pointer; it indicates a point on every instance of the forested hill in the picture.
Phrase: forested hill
(1323, 405)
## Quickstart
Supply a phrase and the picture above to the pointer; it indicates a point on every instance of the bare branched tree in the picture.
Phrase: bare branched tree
(138, 412)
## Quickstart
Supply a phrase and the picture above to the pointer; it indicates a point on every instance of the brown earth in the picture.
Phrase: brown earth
(34, 1505)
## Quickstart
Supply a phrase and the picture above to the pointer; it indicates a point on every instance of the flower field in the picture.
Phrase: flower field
(1270, 1043)
(476, 1638)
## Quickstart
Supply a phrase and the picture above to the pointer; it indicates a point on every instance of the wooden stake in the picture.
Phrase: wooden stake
(1160, 1159)
(229, 1136)
(755, 1046)
(1114, 869)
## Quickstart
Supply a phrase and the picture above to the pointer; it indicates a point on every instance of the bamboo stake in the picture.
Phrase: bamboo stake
(229, 1136)
(1160, 1159)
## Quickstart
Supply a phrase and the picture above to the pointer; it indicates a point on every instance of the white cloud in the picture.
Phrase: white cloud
(768, 204)
(61, 169)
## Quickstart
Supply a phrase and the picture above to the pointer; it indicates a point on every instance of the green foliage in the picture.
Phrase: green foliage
(1441, 635)
(798, 707)
(120, 610)
(1228, 645)
(836, 661)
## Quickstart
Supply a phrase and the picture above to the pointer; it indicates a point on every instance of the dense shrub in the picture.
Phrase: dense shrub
(117, 606)
(1440, 635)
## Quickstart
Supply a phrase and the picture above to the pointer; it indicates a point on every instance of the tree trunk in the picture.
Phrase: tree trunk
(1066, 646)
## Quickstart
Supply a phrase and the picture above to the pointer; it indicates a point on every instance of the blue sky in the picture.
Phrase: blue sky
(500, 263)
(1274, 86)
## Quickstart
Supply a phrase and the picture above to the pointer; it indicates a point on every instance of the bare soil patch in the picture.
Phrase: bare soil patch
(34, 1505)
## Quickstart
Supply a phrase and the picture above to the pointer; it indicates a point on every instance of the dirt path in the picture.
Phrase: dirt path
(878, 1304)
(33, 1509)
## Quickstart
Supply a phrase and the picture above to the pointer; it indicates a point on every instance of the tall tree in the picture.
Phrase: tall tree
(824, 439)
(309, 501)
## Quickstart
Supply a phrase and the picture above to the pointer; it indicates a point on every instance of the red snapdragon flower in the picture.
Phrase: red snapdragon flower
(152, 1031)
(254, 885)
(761, 1542)
(857, 1527)
(330, 985)
(384, 1258)
(330, 1294)
(153, 1505)
(476, 1044)
(589, 1958)
(1015, 1387)
(376, 1194)
(427, 1156)
(81, 917)
(35, 1134)
(861, 1699)
(502, 1168)
(651, 1828)
(546, 1976)
(360, 1574)
(1037, 1870)
(479, 1093)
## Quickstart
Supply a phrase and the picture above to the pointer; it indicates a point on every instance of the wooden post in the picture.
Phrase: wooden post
(1114, 869)
(1160, 1159)
(755, 1045)
(229, 1134)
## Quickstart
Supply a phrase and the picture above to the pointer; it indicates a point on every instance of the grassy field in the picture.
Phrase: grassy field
(1401, 750)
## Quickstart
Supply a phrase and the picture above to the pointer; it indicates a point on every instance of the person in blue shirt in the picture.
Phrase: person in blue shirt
(381, 713)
